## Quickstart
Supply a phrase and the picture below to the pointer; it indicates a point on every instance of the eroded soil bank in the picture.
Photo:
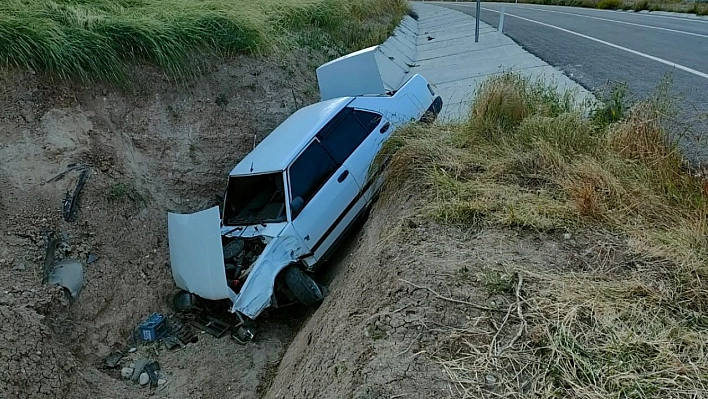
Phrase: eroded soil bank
(153, 146)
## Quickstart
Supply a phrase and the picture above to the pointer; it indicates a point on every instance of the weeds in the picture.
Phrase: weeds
(614, 107)
(640, 5)
(95, 39)
(609, 4)
(699, 8)
(527, 158)
(123, 191)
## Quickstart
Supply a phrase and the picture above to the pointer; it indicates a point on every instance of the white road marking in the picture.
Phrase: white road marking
(629, 50)
(619, 22)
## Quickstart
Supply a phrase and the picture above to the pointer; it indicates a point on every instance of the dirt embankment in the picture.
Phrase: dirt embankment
(399, 300)
(152, 146)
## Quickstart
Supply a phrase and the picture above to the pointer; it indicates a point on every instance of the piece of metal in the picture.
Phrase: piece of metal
(180, 331)
(210, 325)
(113, 360)
(244, 335)
(476, 26)
(71, 199)
(69, 274)
(501, 20)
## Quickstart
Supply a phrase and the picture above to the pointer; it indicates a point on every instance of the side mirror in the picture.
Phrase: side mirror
(296, 206)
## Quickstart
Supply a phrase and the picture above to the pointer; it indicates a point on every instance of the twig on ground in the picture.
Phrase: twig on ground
(410, 345)
(499, 329)
(480, 307)
(519, 314)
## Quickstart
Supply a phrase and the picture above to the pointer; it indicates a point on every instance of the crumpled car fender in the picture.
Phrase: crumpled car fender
(257, 292)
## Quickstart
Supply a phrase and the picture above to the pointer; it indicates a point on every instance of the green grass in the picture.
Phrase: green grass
(96, 39)
(527, 159)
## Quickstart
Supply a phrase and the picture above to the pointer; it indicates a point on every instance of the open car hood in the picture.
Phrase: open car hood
(196, 253)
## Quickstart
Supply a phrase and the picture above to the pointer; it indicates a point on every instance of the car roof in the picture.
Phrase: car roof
(277, 150)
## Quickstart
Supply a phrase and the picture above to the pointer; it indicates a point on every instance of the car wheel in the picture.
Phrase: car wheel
(303, 287)
(183, 301)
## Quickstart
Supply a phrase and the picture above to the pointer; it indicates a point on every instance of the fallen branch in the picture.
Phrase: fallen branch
(480, 307)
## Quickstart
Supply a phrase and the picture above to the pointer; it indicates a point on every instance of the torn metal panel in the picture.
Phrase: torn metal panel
(257, 292)
(69, 274)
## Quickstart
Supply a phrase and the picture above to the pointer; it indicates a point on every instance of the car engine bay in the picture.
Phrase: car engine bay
(239, 256)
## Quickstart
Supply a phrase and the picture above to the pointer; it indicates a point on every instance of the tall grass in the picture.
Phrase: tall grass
(527, 158)
(90, 39)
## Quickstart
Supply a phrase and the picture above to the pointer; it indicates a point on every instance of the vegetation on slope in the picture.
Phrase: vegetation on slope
(527, 159)
(90, 39)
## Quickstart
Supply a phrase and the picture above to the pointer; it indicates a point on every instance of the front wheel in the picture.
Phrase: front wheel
(303, 287)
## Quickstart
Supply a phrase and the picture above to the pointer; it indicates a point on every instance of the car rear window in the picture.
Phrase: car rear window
(310, 171)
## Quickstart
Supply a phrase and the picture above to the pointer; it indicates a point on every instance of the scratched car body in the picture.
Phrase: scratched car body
(289, 202)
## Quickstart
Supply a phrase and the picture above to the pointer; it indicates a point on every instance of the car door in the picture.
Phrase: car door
(326, 189)
(376, 130)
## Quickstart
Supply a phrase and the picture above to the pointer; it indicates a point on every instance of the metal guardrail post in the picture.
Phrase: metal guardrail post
(476, 27)
(501, 20)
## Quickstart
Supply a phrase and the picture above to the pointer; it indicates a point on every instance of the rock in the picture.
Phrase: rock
(567, 236)
(144, 379)
(126, 373)
(91, 258)
(491, 380)
(161, 381)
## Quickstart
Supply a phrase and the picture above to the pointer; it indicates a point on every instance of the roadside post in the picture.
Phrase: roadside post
(501, 20)
(476, 27)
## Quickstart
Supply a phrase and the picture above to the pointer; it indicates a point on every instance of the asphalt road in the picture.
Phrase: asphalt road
(599, 49)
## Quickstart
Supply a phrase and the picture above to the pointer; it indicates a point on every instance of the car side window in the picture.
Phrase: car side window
(310, 171)
(346, 132)
(368, 119)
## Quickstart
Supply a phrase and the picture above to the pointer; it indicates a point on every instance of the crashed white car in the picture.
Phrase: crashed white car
(292, 199)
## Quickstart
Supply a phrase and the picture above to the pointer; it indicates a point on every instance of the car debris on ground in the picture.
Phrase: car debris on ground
(67, 272)
(71, 198)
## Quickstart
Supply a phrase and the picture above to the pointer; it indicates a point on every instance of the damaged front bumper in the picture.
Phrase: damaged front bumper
(197, 259)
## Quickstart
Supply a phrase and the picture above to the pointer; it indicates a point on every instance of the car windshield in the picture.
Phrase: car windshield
(254, 199)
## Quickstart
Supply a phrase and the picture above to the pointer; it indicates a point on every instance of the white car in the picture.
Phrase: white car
(291, 200)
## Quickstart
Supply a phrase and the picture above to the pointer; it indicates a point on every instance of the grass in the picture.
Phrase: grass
(528, 159)
(96, 39)
(121, 191)
(685, 6)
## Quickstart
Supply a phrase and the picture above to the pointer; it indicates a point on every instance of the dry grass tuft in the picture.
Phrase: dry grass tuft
(526, 158)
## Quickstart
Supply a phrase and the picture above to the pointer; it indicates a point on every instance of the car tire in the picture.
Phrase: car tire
(303, 287)
(183, 301)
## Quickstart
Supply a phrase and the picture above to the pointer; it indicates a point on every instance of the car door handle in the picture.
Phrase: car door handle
(385, 127)
(343, 176)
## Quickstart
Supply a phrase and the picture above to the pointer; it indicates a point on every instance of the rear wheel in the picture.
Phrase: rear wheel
(303, 287)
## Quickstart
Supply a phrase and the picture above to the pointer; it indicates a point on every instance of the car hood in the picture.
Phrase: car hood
(196, 253)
